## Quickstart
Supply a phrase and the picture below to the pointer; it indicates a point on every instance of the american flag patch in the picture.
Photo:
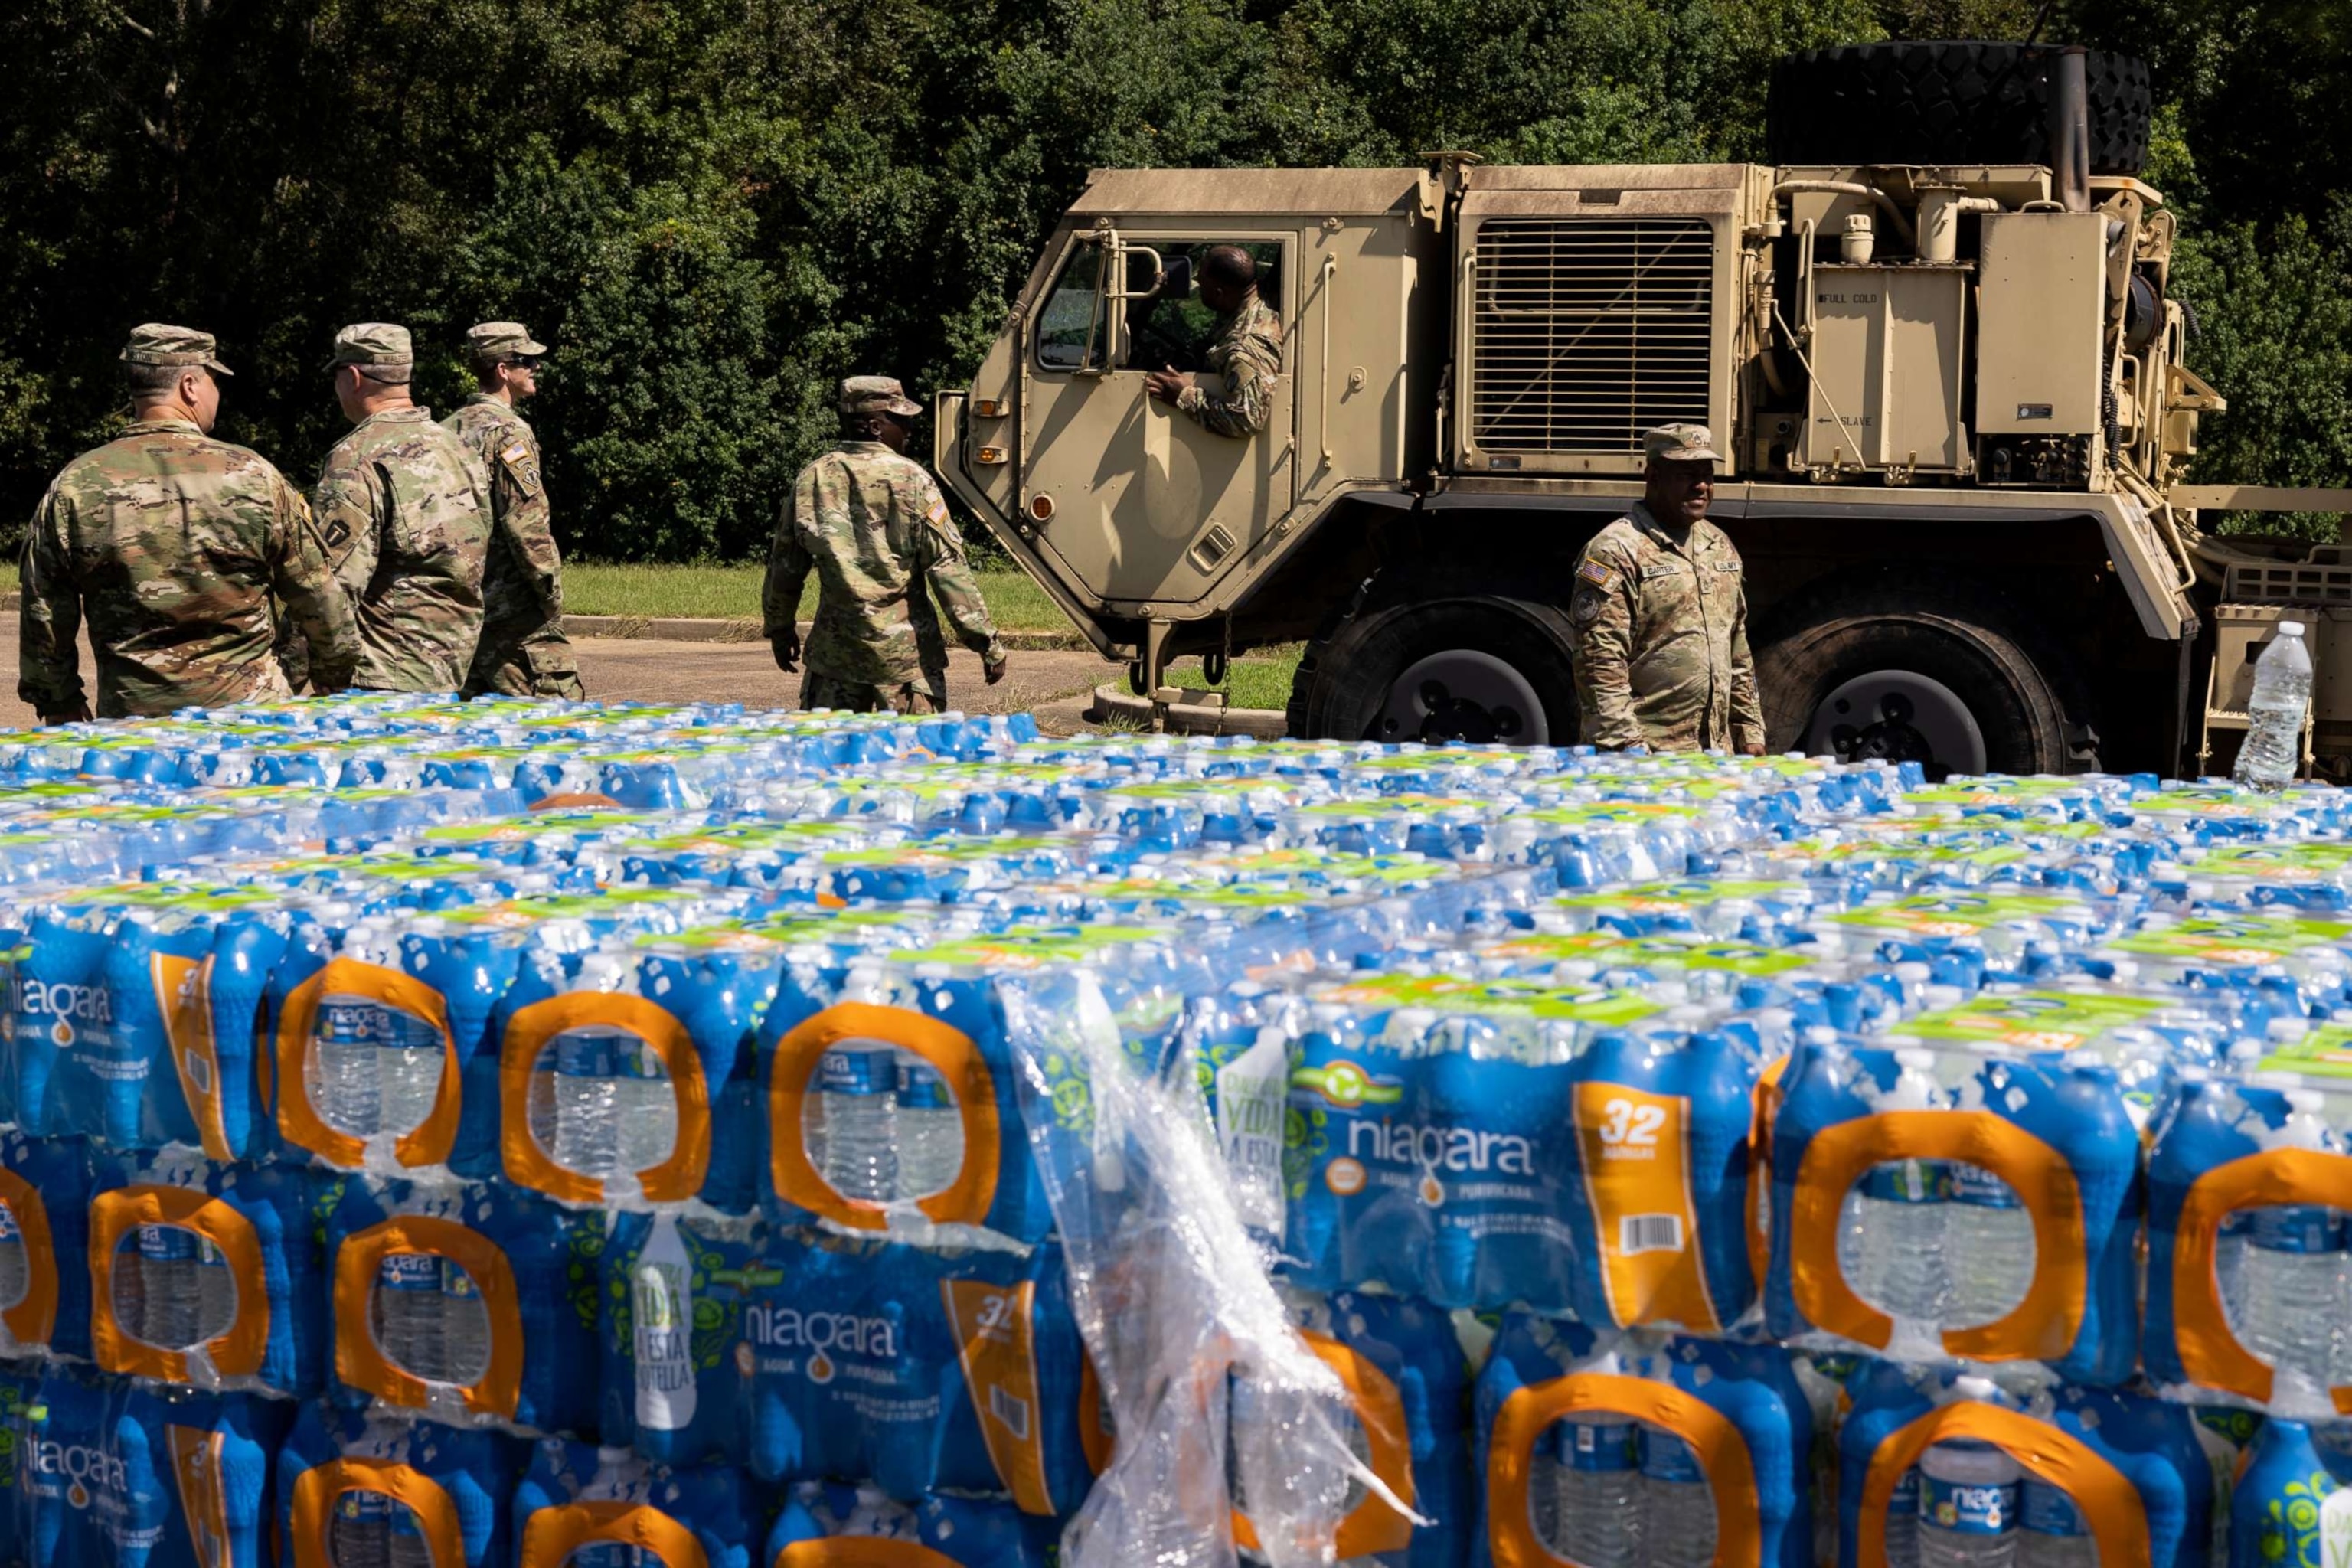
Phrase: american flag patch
(939, 512)
(516, 453)
(1597, 574)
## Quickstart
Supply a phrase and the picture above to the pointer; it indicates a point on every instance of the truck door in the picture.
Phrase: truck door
(1143, 503)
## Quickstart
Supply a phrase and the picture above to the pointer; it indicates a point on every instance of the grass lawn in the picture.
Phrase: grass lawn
(732, 593)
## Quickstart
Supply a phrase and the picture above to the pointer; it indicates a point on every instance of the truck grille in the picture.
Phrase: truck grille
(1588, 331)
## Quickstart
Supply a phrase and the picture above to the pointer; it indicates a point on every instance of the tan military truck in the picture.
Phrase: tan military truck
(1945, 371)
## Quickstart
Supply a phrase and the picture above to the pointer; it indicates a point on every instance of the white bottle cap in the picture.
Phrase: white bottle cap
(2290, 629)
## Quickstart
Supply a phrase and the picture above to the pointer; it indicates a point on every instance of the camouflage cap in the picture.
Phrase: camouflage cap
(372, 343)
(497, 340)
(153, 342)
(1680, 444)
(876, 395)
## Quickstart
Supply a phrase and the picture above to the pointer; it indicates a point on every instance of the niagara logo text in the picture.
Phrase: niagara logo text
(788, 1328)
(82, 1466)
(1456, 1148)
(83, 1003)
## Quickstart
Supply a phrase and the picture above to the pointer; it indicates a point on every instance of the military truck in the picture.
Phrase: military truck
(1934, 339)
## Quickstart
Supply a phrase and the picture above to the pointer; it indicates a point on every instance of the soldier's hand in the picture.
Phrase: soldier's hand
(994, 672)
(788, 650)
(1167, 383)
(1755, 750)
(77, 714)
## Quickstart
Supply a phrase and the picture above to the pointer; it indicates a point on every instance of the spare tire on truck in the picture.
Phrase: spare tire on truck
(1949, 103)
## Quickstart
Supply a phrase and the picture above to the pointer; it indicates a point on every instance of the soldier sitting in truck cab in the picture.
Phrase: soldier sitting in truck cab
(1246, 355)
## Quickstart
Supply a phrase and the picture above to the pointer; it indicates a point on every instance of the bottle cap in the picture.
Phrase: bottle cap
(2290, 629)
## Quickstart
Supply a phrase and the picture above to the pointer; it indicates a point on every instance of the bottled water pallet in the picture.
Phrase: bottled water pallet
(466, 1133)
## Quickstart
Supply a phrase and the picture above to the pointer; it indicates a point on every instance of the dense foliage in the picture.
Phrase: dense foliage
(715, 207)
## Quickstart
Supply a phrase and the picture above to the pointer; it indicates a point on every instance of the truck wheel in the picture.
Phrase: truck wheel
(1908, 674)
(1488, 670)
(1948, 102)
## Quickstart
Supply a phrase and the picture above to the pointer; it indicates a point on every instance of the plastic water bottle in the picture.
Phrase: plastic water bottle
(930, 1129)
(1967, 1506)
(587, 1129)
(2051, 1532)
(16, 1268)
(645, 1108)
(168, 1265)
(406, 1545)
(1678, 1504)
(857, 1084)
(1891, 1238)
(2290, 1273)
(345, 1085)
(877, 1515)
(2272, 750)
(408, 1312)
(465, 1327)
(1599, 1505)
(1988, 1247)
(1903, 1521)
(360, 1534)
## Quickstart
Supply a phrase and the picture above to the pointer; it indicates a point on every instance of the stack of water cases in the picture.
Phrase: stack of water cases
(503, 1135)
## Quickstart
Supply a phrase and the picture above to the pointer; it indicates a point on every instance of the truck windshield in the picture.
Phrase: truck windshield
(1172, 333)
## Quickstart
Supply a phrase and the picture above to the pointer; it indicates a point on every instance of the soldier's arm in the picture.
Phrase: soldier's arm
(518, 505)
(48, 670)
(345, 509)
(1747, 706)
(305, 583)
(1602, 611)
(1241, 409)
(788, 565)
(940, 555)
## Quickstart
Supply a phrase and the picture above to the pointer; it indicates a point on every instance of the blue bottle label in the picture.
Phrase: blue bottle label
(1904, 1182)
(588, 1053)
(2048, 1510)
(409, 1271)
(2299, 1229)
(1969, 1507)
(455, 1283)
(1976, 1185)
(1904, 1502)
(921, 1088)
(1667, 1457)
(856, 1073)
(1601, 1445)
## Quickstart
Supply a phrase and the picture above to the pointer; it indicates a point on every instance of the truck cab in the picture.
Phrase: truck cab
(1951, 398)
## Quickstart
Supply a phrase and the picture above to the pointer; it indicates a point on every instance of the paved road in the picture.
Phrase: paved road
(1053, 684)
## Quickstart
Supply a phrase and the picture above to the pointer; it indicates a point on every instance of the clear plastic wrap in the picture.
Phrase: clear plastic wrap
(1176, 1305)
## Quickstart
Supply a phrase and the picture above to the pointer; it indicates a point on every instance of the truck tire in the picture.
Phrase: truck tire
(1909, 671)
(1948, 102)
(1480, 667)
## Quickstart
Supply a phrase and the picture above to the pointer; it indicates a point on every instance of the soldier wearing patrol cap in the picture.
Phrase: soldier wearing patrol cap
(405, 514)
(176, 546)
(872, 525)
(522, 651)
(1661, 615)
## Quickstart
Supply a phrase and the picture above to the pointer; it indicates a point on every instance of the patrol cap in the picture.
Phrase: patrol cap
(1680, 444)
(495, 341)
(876, 395)
(152, 342)
(372, 343)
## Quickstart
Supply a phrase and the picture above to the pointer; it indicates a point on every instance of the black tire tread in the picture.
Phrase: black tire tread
(1948, 102)
(1324, 691)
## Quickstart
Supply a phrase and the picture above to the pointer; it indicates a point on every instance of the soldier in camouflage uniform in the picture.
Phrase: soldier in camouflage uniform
(523, 652)
(174, 544)
(1247, 350)
(1661, 615)
(872, 525)
(405, 514)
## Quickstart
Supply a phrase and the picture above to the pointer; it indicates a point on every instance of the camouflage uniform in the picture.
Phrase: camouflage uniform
(405, 515)
(522, 651)
(174, 544)
(1661, 619)
(1248, 353)
(873, 527)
